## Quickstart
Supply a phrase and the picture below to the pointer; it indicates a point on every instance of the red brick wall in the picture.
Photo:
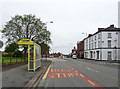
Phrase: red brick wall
(80, 49)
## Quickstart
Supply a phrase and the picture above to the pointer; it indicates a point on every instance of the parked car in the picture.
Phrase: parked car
(74, 56)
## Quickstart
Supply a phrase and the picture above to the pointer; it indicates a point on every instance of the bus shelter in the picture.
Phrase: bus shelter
(33, 52)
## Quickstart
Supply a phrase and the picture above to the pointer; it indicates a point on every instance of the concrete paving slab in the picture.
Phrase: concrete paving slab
(19, 76)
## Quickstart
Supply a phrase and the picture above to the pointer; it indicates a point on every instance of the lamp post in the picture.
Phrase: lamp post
(46, 53)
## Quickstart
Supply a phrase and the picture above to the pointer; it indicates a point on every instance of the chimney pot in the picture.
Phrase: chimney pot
(112, 26)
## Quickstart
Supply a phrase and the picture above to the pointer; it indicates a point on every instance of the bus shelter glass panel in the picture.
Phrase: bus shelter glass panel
(38, 56)
(34, 57)
(31, 58)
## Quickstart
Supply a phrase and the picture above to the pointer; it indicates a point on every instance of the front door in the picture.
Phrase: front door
(109, 55)
(97, 54)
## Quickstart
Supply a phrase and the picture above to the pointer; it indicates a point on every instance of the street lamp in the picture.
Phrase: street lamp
(46, 51)
(49, 22)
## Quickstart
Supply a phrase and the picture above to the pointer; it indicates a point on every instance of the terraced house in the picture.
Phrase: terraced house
(103, 45)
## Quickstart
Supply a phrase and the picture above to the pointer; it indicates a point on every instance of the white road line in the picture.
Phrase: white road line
(91, 69)
(64, 75)
(58, 75)
(81, 75)
(91, 82)
(71, 74)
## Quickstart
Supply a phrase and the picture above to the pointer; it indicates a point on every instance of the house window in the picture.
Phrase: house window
(92, 39)
(109, 35)
(86, 47)
(98, 44)
(92, 45)
(95, 44)
(98, 36)
(95, 37)
(89, 46)
(109, 55)
(109, 43)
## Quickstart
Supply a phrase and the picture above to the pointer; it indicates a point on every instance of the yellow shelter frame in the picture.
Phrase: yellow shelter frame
(34, 53)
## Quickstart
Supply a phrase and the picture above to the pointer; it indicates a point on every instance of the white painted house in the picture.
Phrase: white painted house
(103, 45)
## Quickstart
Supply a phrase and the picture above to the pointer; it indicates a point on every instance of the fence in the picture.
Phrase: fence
(12, 60)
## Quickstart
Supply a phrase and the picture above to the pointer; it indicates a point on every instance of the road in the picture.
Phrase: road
(79, 74)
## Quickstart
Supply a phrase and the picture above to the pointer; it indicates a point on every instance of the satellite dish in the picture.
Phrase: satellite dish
(1, 44)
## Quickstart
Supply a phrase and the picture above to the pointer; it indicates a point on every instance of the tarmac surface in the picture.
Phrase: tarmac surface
(75, 73)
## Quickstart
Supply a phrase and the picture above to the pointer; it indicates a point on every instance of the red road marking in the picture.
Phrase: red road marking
(65, 73)
(60, 73)
(88, 80)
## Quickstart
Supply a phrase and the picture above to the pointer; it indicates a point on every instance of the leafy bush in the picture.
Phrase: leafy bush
(11, 48)
(18, 54)
(5, 54)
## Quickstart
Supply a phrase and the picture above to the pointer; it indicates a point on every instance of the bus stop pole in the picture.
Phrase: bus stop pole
(28, 57)
(34, 57)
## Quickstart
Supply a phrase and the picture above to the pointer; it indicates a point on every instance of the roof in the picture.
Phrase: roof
(110, 29)
(25, 42)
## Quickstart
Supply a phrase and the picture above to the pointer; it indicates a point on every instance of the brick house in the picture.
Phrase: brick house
(80, 49)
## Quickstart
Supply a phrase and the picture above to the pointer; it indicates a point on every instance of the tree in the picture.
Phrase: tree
(11, 48)
(26, 27)
(1, 44)
(18, 53)
(44, 48)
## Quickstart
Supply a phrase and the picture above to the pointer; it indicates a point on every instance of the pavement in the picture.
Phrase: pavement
(72, 73)
(11, 66)
(19, 77)
(102, 62)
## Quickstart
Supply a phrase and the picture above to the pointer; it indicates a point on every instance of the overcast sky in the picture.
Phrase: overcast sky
(70, 17)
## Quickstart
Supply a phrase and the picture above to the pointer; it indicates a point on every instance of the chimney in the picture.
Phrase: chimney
(89, 35)
(112, 26)
(99, 29)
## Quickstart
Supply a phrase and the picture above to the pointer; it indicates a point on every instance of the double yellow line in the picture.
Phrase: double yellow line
(45, 75)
